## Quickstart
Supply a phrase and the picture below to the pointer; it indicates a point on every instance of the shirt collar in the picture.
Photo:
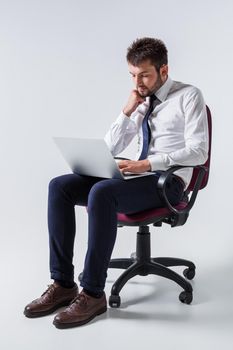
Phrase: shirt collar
(162, 93)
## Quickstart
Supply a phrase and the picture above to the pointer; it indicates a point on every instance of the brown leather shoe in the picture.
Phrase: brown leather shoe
(82, 310)
(53, 298)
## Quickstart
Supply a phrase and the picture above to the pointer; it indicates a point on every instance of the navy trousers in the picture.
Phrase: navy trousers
(104, 198)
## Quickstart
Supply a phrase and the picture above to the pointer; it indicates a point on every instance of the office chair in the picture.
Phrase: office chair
(141, 263)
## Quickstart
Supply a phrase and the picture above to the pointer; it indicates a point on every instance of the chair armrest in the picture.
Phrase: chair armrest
(162, 186)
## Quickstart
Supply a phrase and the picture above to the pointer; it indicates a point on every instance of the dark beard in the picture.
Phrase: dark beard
(155, 88)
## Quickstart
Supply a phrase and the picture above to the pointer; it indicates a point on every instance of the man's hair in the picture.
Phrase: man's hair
(147, 49)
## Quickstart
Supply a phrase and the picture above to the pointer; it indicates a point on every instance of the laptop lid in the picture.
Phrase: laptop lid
(91, 157)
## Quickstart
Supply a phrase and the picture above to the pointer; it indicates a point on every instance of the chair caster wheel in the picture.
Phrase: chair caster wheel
(114, 301)
(186, 297)
(189, 273)
(80, 276)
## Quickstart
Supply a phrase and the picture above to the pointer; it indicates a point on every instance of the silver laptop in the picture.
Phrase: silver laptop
(92, 157)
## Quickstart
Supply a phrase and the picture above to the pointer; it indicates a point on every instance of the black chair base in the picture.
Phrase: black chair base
(141, 263)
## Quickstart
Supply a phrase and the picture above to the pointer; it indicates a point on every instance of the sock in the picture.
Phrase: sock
(65, 284)
(93, 294)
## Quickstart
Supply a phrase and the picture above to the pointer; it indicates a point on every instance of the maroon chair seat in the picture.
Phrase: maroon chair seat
(147, 217)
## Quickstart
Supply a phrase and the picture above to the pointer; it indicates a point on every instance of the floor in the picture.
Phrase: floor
(150, 315)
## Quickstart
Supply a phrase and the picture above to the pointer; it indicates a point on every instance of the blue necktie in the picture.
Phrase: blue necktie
(146, 132)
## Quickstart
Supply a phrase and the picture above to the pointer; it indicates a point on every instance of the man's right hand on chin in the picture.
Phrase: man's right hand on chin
(135, 99)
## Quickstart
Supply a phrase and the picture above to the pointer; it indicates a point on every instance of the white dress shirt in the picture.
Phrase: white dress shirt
(179, 129)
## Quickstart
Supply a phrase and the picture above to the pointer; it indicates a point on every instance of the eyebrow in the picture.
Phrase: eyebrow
(145, 71)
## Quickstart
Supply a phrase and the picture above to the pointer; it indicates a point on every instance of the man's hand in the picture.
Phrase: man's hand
(134, 166)
(133, 102)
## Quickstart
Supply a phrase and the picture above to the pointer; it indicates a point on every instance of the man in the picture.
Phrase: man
(170, 121)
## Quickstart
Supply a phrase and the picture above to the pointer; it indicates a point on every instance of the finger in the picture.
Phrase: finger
(122, 165)
(125, 169)
(141, 100)
(122, 170)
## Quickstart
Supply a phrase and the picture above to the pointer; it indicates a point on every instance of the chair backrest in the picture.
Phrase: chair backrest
(207, 163)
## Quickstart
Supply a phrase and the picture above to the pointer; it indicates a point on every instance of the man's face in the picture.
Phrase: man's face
(146, 78)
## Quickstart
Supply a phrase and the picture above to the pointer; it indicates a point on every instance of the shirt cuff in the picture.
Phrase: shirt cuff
(124, 120)
(158, 162)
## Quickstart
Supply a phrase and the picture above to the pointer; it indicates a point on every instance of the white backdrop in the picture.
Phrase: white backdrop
(63, 73)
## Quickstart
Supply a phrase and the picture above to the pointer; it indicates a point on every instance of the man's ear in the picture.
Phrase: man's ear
(164, 72)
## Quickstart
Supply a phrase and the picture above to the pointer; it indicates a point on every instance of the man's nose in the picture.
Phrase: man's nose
(138, 80)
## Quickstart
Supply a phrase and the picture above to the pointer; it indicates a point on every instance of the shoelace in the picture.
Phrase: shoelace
(79, 299)
(49, 290)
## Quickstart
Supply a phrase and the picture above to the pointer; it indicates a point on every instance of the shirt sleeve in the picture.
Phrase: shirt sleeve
(195, 151)
(120, 134)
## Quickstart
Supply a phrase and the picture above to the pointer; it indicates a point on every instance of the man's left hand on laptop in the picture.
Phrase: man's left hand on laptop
(134, 166)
